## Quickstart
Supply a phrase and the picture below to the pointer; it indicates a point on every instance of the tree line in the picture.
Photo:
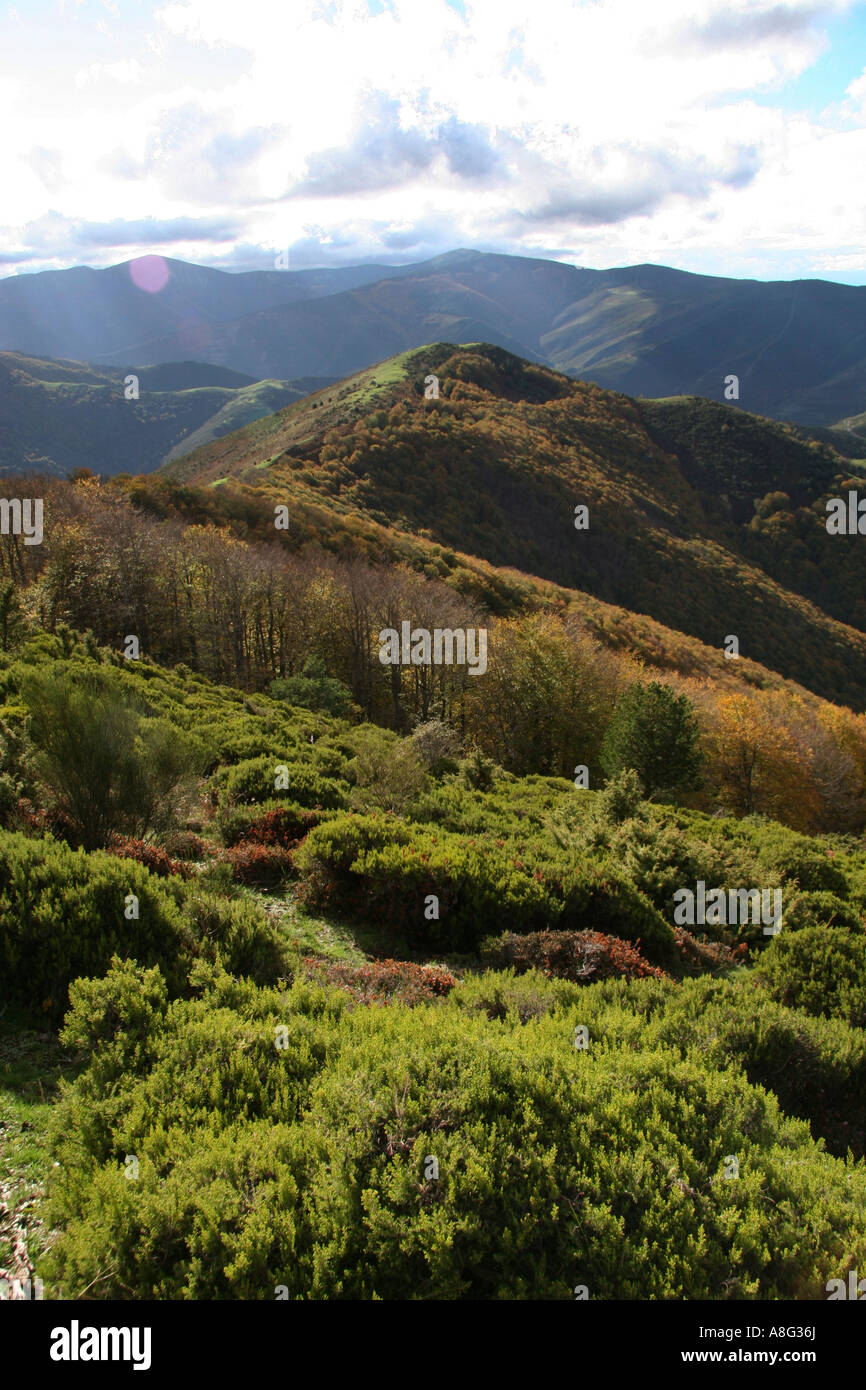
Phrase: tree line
(260, 616)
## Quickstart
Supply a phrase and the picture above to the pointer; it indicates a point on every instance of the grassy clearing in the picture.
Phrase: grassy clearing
(32, 1063)
(311, 935)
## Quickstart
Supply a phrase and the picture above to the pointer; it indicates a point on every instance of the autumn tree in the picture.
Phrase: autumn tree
(756, 763)
(544, 702)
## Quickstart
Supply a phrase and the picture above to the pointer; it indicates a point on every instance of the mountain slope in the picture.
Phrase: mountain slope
(496, 467)
(56, 416)
(97, 314)
(798, 348)
(503, 299)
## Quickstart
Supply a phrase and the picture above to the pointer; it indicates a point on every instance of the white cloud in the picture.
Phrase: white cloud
(604, 132)
(128, 72)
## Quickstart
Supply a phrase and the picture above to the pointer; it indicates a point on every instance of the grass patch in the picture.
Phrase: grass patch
(32, 1063)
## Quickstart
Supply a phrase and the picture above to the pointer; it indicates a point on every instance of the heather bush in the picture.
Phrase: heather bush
(259, 864)
(384, 868)
(583, 956)
(236, 934)
(821, 909)
(185, 845)
(816, 1067)
(254, 780)
(812, 869)
(151, 856)
(269, 823)
(383, 981)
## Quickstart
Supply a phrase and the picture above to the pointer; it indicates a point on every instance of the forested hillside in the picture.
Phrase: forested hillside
(705, 518)
(60, 416)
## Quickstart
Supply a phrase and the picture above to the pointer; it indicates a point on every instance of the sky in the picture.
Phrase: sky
(727, 139)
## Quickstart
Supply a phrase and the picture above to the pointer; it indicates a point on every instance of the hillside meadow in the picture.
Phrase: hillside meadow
(298, 1006)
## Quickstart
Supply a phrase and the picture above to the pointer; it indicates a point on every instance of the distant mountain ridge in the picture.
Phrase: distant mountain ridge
(58, 416)
(797, 348)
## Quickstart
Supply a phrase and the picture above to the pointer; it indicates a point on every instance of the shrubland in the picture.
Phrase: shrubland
(304, 1171)
(391, 1020)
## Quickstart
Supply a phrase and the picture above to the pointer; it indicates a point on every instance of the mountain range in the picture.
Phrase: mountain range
(796, 348)
(704, 517)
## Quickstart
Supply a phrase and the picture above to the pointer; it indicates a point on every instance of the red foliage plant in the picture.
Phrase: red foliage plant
(281, 827)
(582, 956)
(151, 856)
(383, 981)
(258, 863)
(701, 957)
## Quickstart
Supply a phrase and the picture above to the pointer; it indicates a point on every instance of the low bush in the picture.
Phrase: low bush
(63, 915)
(821, 908)
(805, 864)
(258, 863)
(583, 956)
(697, 956)
(186, 845)
(271, 824)
(450, 890)
(238, 935)
(151, 856)
(819, 969)
(428, 1153)
(255, 780)
(383, 981)
(816, 1067)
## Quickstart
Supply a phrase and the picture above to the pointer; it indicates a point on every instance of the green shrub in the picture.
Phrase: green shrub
(107, 768)
(269, 822)
(383, 867)
(813, 870)
(819, 969)
(816, 1067)
(254, 780)
(620, 798)
(505, 994)
(62, 915)
(387, 772)
(595, 899)
(821, 909)
(438, 746)
(313, 689)
(309, 1167)
(238, 934)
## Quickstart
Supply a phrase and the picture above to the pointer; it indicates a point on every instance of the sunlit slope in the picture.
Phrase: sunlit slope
(707, 518)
